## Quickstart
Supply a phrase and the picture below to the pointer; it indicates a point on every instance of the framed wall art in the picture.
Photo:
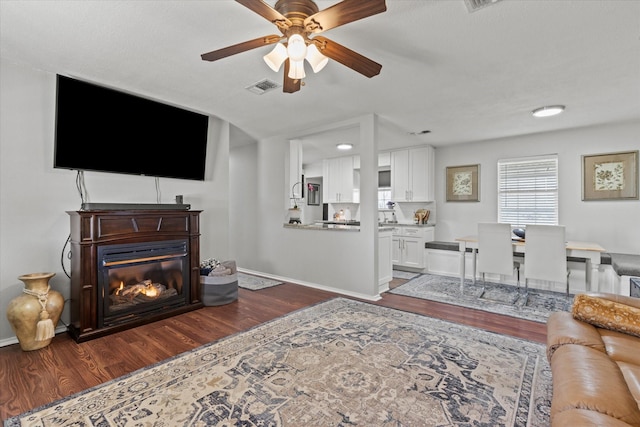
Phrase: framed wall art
(610, 176)
(463, 183)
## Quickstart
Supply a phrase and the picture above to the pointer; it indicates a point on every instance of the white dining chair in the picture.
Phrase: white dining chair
(495, 251)
(545, 254)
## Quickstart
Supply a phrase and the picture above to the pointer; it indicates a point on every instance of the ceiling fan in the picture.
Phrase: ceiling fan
(300, 21)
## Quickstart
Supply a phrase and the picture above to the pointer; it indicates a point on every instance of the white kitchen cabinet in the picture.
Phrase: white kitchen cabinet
(412, 175)
(384, 159)
(408, 245)
(338, 176)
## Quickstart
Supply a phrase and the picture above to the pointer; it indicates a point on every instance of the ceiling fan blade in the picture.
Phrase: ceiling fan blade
(267, 12)
(347, 57)
(240, 47)
(343, 13)
(290, 85)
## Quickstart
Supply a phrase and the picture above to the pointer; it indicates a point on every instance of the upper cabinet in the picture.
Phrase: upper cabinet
(412, 175)
(339, 183)
(384, 159)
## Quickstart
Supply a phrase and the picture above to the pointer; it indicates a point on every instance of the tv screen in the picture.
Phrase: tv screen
(101, 129)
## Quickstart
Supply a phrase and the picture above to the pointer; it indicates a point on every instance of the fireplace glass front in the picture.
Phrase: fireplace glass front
(138, 279)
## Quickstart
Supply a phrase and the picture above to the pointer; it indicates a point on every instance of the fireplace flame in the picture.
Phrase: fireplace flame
(146, 288)
(150, 291)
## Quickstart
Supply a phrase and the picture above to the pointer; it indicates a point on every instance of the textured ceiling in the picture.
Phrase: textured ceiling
(464, 76)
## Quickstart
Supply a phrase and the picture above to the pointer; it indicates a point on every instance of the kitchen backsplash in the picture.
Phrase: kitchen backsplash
(403, 211)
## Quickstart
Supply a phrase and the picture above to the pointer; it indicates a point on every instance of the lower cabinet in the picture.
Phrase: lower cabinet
(408, 245)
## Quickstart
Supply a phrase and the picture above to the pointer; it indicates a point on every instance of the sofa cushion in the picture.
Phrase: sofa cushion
(622, 299)
(563, 329)
(607, 314)
(585, 378)
(631, 375)
(585, 418)
(621, 347)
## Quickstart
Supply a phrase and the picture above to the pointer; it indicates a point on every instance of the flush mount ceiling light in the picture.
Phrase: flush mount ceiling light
(548, 111)
(300, 21)
(344, 146)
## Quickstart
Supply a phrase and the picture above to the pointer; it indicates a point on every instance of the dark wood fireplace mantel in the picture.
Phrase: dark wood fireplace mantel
(92, 228)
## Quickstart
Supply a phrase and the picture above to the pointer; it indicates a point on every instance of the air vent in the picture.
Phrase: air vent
(262, 86)
(473, 5)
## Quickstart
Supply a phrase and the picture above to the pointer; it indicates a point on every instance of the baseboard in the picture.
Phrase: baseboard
(312, 285)
(14, 340)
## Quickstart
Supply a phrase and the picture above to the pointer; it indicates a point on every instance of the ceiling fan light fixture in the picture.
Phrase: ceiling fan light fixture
(548, 111)
(296, 48)
(296, 70)
(315, 58)
(276, 57)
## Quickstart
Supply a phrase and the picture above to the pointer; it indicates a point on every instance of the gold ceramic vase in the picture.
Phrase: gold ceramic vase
(35, 314)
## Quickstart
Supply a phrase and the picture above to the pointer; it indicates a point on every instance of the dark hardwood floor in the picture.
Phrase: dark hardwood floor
(32, 379)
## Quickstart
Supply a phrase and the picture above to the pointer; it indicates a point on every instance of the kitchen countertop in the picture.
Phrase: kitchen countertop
(381, 224)
(408, 224)
(333, 226)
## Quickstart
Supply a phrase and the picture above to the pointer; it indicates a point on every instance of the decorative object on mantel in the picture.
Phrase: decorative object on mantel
(610, 176)
(463, 183)
(35, 314)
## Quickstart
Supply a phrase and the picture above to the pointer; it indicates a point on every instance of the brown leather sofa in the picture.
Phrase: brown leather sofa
(596, 370)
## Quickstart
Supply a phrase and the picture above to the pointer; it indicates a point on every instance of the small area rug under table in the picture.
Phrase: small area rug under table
(340, 362)
(492, 297)
(255, 283)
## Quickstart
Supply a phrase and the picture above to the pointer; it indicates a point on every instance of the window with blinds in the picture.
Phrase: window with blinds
(528, 191)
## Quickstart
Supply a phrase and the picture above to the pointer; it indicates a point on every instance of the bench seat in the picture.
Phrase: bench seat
(443, 246)
(625, 266)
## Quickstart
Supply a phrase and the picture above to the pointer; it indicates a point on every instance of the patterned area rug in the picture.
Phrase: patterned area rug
(255, 283)
(399, 274)
(339, 363)
(497, 298)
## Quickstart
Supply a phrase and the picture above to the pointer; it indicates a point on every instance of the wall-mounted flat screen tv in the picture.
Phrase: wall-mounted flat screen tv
(102, 129)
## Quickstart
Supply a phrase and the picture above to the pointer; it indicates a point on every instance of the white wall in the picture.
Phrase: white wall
(345, 261)
(245, 218)
(34, 197)
(615, 225)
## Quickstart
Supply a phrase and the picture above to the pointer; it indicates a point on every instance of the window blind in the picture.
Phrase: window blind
(528, 191)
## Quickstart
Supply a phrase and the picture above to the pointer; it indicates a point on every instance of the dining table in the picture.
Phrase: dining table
(589, 251)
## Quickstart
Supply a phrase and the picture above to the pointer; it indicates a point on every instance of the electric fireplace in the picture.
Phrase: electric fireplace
(131, 267)
(139, 278)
